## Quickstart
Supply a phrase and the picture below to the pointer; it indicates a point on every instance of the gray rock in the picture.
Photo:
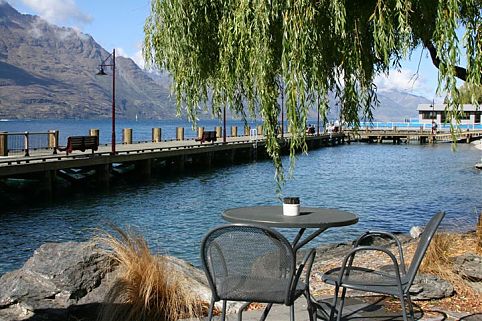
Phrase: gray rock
(469, 266)
(430, 287)
(55, 278)
(69, 281)
(416, 231)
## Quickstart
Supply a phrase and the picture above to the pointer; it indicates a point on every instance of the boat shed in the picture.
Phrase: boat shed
(436, 112)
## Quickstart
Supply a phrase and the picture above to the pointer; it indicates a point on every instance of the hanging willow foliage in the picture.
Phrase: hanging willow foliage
(246, 54)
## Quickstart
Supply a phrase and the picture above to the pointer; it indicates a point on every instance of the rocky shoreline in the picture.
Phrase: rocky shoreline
(68, 281)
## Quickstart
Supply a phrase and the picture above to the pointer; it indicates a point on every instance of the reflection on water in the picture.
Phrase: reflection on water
(389, 187)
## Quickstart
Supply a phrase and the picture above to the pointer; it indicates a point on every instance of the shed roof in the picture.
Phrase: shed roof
(441, 107)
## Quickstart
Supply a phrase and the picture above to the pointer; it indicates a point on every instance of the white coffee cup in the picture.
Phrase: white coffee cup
(291, 209)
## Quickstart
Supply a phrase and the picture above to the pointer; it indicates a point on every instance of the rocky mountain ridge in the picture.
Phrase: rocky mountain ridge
(49, 72)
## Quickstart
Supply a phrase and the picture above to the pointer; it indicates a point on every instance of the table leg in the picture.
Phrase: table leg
(297, 244)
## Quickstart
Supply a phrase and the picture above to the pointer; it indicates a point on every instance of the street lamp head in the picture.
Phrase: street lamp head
(101, 72)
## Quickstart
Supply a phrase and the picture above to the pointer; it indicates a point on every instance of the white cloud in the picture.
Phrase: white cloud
(139, 59)
(58, 11)
(121, 52)
(136, 57)
(404, 80)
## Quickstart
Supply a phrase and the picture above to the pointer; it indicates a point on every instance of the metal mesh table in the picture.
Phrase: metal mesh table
(310, 217)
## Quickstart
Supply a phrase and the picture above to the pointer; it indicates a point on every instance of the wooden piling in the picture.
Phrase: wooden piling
(156, 135)
(219, 132)
(127, 136)
(3, 144)
(234, 131)
(179, 133)
(94, 132)
(200, 132)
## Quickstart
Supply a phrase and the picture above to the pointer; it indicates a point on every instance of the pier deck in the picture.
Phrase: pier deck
(179, 152)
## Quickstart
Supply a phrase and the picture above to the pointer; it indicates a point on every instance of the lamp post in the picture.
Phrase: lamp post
(102, 73)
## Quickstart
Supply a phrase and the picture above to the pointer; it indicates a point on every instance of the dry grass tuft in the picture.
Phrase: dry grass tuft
(438, 259)
(147, 288)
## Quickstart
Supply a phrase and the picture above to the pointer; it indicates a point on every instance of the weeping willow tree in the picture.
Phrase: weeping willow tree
(247, 54)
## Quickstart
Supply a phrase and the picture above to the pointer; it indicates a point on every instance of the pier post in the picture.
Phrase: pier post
(3, 144)
(48, 183)
(180, 163)
(26, 144)
(234, 131)
(219, 132)
(247, 130)
(94, 132)
(260, 130)
(156, 135)
(179, 133)
(144, 168)
(207, 159)
(54, 140)
(200, 132)
(102, 173)
(127, 136)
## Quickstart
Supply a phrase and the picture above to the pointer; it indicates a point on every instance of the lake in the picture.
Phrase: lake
(390, 187)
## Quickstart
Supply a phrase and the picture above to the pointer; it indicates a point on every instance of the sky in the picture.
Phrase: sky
(119, 24)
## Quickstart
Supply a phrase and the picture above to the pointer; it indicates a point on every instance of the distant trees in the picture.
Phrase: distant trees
(468, 91)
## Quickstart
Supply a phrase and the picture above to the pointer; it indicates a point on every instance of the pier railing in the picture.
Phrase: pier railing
(21, 144)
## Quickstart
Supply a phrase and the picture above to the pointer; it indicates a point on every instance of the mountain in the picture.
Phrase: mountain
(50, 72)
(397, 105)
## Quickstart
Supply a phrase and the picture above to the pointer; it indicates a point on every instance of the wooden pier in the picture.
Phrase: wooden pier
(143, 158)
(397, 136)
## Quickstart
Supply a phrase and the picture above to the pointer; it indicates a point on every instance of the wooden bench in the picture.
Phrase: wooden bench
(80, 143)
(208, 136)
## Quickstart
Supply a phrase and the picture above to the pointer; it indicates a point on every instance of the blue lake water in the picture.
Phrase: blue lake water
(390, 187)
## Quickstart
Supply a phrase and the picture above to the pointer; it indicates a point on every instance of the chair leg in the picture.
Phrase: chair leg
(410, 306)
(223, 316)
(211, 308)
(292, 312)
(241, 310)
(335, 302)
(312, 309)
(404, 309)
(342, 303)
(266, 311)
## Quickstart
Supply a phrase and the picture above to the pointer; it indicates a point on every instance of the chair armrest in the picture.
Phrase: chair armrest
(348, 260)
(308, 263)
(391, 236)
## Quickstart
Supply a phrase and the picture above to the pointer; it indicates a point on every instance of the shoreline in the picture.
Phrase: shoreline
(48, 280)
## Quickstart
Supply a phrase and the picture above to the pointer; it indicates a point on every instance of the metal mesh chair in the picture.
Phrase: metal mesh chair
(395, 282)
(254, 264)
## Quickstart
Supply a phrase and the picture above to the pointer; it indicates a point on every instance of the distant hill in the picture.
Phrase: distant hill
(49, 72)
(397, 105)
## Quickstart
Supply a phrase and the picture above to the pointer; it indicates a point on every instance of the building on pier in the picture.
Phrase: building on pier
(436, 112)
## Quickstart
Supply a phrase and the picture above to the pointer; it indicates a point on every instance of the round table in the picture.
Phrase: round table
(310, 217)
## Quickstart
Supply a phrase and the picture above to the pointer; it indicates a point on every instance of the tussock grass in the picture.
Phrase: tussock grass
(147, 288)
(439, 259)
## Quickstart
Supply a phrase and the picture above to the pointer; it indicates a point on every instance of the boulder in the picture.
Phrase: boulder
(469, 266)
(69, 281)
(430, 287)
(56, 277)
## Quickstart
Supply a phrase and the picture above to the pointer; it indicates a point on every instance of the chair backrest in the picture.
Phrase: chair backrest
(424, 242)
(243, 262)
